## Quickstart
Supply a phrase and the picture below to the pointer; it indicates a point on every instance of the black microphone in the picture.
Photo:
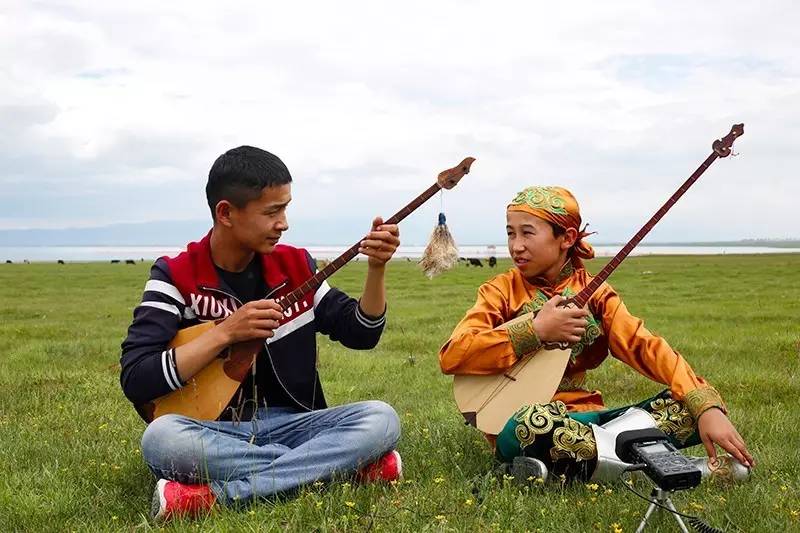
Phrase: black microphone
(661, 461)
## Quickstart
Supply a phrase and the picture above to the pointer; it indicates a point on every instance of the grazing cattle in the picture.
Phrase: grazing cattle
(27, 262)
(130, 262)
(113, 261)
(493, 261)
(8, 261)
(475, 261)
(60, 261)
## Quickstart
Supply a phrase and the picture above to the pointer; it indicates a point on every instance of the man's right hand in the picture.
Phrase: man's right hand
(560, 324)
(254, 320)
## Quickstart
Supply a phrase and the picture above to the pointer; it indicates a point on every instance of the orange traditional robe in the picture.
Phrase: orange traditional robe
(477, 347)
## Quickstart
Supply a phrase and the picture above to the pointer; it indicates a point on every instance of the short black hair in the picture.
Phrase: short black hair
(240, 174)
(558, 231)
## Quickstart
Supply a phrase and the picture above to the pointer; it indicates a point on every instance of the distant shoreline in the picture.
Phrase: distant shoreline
(103, 253)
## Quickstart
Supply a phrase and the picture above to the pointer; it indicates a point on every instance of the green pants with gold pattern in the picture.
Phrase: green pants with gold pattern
(565, 441)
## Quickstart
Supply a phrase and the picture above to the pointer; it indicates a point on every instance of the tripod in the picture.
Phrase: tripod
(662, 497)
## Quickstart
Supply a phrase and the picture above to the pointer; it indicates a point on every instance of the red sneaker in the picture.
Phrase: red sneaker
(387, 468)
(178, 499)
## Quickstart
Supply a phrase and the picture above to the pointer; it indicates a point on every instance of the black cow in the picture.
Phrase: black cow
(130, 262)
(114, 261)
(60, 261)
(475, 261)
(493, 261)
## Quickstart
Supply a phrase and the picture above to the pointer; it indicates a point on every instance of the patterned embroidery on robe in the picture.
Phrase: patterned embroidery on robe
(673, 418)
(523, 338)
(700, 400)
(537, 419)
(573, 441)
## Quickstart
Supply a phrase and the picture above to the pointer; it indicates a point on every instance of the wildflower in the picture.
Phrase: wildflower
(616, 527)
(609, 491)
(345, 485)
(695, 505)
(784, 488)
(722, 499)
(114, 517)
(438, 479)
(441, 517)
(468, 502)
(350, 504)
(540, 480)
(507, 477)
(592, 486)
(318, 483)
(319, 504)
(795, 514)
(102, 426)
(251, 512)
(593, 499)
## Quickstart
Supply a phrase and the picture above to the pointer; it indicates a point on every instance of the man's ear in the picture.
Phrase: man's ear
(570, 236)
(222, 212)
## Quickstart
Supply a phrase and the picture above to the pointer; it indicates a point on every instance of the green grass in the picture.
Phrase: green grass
(69, 457)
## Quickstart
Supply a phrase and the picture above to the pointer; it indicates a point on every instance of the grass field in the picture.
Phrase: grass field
(69, 457)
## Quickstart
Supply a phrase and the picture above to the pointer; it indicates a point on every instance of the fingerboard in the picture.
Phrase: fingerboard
(583, 296)
(316, 280)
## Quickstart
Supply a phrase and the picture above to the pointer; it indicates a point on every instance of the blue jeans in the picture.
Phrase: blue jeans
(278, 451)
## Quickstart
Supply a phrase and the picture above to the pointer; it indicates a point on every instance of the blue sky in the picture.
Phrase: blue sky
(113, 112)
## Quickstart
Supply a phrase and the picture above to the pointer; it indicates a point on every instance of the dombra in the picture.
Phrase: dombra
(488, 401)
(208, 392)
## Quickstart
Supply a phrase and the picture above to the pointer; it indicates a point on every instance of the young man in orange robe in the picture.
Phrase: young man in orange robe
(567, 435)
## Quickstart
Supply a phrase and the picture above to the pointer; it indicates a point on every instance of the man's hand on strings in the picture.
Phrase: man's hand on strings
(560, 324)
(380, 244)
(254, 320)
(714, 427)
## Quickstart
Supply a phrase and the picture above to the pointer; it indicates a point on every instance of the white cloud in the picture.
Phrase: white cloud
(115, 111)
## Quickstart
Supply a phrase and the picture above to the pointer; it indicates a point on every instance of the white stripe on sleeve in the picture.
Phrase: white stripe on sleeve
(173, 368)
(322, 290)
(164, 365)
(163, 287)
(369, 322)
(164, 307)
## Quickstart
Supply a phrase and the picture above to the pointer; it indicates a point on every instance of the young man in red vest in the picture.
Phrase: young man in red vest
(277, 433)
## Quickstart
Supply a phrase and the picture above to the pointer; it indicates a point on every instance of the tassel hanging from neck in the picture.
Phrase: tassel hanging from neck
(441, 252)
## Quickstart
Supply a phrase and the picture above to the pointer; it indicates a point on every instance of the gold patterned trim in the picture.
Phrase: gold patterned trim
(673, 418)
(701, 400)
(573, 441)
(537, 419)
(523, 338)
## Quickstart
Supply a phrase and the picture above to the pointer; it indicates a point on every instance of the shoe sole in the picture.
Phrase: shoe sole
(157, 506)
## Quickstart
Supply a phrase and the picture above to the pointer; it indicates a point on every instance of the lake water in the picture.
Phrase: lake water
(18, 254)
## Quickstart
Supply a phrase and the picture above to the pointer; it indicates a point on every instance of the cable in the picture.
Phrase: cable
(694, 521)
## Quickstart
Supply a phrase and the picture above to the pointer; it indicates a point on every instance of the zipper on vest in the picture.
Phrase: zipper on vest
(229, 295)
(220, 291)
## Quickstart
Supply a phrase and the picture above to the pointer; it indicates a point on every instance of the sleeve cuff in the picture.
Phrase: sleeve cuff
(370, 321)
(170, 369)
(523, 338)
(701, 400)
